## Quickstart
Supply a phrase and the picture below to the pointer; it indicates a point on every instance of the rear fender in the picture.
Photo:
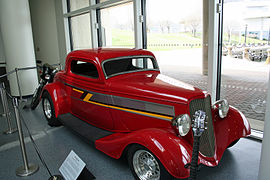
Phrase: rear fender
(59, 97)
(172, 151)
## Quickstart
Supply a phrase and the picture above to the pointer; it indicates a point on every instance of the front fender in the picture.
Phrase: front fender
(59, 97)
(172, 151)
(229, 129)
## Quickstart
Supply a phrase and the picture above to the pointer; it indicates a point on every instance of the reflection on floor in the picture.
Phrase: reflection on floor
(241, 162)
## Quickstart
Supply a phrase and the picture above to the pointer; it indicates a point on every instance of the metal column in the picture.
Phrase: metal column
(212, 49)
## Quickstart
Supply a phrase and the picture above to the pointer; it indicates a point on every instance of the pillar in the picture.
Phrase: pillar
(138, 24)
(264, 172)
(212, 49)
(15, 24)
(205, 18)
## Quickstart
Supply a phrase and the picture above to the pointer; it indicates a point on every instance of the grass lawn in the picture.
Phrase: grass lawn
(235, 39)
(165, 41)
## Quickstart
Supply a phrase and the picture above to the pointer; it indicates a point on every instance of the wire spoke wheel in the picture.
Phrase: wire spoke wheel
(47, 108)
(146, 166)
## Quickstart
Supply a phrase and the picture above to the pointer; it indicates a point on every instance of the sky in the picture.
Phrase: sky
(175, 10)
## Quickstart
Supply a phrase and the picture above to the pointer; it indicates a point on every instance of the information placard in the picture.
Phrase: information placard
(72, 166)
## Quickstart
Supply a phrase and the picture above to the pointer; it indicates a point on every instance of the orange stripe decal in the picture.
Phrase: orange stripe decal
(77, 90)
(87, 97)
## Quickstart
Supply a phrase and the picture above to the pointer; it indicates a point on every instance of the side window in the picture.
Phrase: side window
(84, 68)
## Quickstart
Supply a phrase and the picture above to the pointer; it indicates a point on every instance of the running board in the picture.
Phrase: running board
(88, 131)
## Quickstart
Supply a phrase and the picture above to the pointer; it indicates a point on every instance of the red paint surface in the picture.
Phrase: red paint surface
(155, 134)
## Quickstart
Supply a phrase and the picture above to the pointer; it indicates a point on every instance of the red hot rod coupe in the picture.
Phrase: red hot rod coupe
(119, 101)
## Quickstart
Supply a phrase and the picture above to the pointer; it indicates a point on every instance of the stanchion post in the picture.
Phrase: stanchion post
(6, 113)
(18, 83)
(27, 169)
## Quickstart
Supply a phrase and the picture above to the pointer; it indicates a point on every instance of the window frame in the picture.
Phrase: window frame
(127, 72)
(85, 77)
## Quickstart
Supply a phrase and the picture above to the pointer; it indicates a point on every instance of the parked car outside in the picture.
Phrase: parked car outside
(120, 102)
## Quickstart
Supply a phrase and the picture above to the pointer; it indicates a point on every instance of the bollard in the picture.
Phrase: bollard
(268, 57)
(6, 113)
(26, 169)
(246, 53)
(230, 50)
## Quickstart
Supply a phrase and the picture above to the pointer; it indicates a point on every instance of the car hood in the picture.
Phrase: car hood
(154, 85)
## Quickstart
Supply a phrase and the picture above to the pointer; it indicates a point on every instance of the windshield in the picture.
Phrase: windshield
(124, 65)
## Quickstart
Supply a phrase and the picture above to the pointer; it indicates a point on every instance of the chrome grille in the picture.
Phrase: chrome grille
(207, 140)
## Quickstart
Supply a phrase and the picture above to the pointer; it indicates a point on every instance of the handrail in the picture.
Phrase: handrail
(11, 72)
(16, 70)
(25, 68)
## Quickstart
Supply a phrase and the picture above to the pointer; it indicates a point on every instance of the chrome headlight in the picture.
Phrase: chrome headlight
(182, 123)
(223, 107)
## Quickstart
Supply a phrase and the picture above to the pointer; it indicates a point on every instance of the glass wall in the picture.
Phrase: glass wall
(117, 26)
(77, 4)
(244, 71)
(81, 31)
(174, 35)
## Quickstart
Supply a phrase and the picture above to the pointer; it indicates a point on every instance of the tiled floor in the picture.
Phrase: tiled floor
(241, 162)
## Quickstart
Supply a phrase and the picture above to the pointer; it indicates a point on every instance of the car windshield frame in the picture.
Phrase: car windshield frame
(155, 65)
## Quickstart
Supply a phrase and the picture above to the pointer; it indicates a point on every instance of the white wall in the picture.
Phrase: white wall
(44, 27)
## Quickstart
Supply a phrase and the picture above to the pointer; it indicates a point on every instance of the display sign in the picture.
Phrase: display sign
(72, 166)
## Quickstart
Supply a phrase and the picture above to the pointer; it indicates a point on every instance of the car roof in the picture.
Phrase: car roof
(101, 54)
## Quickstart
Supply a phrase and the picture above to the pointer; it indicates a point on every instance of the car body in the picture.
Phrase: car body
(138, 106)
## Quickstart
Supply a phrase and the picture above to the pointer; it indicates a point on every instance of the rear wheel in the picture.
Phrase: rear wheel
(145, 165)
(48, 109)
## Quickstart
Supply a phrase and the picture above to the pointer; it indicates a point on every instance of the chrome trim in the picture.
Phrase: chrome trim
(220, 104)
(178, 122)
(125, 57)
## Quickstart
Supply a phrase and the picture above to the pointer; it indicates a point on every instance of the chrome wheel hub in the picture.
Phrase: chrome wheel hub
(47, 108)
(146, 166)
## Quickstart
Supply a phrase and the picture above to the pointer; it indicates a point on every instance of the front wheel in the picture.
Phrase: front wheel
(36, 97)
(48, 110)
(145, 165)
